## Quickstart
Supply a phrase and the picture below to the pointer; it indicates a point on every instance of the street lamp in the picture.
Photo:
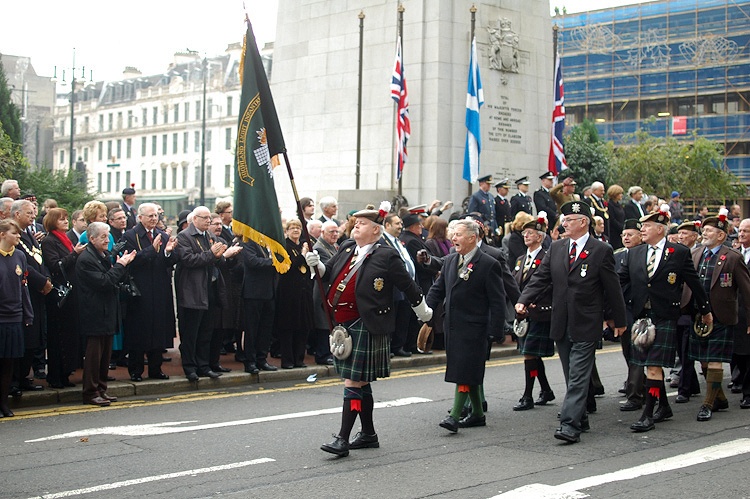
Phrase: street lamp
(203, 134)
(73, 100)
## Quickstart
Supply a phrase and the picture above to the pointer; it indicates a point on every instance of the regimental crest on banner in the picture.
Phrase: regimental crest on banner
(262, 156)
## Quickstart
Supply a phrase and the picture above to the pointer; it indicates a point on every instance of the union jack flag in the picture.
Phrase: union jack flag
(557, 149)
(398, 94)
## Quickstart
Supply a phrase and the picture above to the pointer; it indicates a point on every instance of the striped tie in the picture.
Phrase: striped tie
(460, 263)
(526, 267)
(651, 266)
(572, 253)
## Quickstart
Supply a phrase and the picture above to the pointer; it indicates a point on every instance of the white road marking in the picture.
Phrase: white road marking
(172, 426)
(146, 479)
(571, 490)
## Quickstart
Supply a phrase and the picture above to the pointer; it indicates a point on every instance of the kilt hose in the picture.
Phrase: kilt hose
(371, 355)
(664, 349)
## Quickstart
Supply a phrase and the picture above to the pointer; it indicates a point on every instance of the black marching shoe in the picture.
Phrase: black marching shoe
(136, 377)
(252, 369)
(221, 369)
(159, 375)
(682, 399)
(544, 397)
(663, 412)
(364, 441)
(209, 374)
(402, 353)
(471, 421)
(267, 367)
(585, 425)
(449, 424)
(704, 414)
(28, 385)
(570, 438)
(191, 376)
(745, 403)
(524, 404)
(720, 405)
(338, 446)
(644, 424)
(630, 406)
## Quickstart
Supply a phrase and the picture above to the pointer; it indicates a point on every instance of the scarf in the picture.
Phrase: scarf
(63, 238)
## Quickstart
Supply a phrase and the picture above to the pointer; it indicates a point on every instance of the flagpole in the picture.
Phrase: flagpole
(401, 10)
(473, 11)
(555, 30)
(359, 97)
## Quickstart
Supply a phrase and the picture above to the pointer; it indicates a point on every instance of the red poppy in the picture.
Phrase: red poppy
(537, 261)
(584, 254)
(470, 266)
(670, 250)
(723, 257)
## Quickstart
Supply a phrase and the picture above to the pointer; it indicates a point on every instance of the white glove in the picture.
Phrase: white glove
(313, 261)
(422, 311)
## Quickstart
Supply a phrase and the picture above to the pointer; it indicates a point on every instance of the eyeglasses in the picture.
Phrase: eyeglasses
(569, 219)
(202, 216)
(216, 223)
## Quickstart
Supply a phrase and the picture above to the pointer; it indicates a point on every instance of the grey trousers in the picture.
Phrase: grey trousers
(577, 359)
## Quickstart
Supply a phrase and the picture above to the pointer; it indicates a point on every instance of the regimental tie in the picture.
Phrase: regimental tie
(651, 265)
(460, 263)
(572, 253)
(527, 266)
(150, 236)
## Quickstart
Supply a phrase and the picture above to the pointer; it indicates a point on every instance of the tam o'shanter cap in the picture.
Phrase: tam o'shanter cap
(129, 191)
(662, 216)
(377, 216)
(575, 208)
(694, 225)
(719, 221)
(632, 223)
(539, 223)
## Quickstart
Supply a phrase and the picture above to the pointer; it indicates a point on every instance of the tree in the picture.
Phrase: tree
(660, 165)
(9, 113)
(12, 161)
(588, 157)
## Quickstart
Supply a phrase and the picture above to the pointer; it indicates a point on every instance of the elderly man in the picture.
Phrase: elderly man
(149, 322)
(329, 206)
(653, 275)
(5, 207)
(581, 272)
(326, 247)
(362, 277)
(564, 192)
(39, 284)
(10, 189)
(98, 295)
(393, 226)
(599, 205)
(633, 207)
(314, 227)
(200, 291)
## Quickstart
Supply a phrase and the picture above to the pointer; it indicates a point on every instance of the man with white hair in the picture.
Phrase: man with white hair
(599, 205)
(10, 189)
(314, 228)
(200, 291)
(329, 206)
(633, 208)
(5, 207)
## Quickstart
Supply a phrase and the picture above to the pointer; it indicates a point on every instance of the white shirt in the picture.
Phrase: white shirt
(745, 254)
(580, 243)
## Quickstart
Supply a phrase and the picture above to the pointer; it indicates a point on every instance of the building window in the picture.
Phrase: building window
(145, 116)
(62, 157)
(130, 119)
(85, 125)
(166, 115)
(143, 178)
(155, 115)
(164, 145)
(109, 149)
(127, 178)
(164, 179)
(101, 123)
(153, 145)
(229, 105)
(128, 148)
(208, 140)
(86, 154)
(117, 181)
(210, 108)
(187, 111)
(197, 142)
(197, 110)
(174, 143)
(99, 182)
(110, 121)
(101, 150)
(177, 112)
(227, 176)
(119, 120)
(144, 141)
(228, 139)
(184, 177)
(174, 177)
(184, 142)
(197, 176)
(153, 179)
(208, 175)
(109, 181)
(119, 148)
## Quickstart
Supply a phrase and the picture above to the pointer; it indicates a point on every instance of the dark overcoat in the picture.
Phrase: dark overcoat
(294, 305)
(469, 303)
(195, 264)
(98, 293)
(150, 320)
(38, 275)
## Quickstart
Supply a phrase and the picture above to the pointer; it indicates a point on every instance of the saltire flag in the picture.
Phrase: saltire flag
(557, 149)
(474, 101)
(398, 94)
(259, 142)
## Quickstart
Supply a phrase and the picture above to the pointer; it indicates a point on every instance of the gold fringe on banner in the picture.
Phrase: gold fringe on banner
(277, 249)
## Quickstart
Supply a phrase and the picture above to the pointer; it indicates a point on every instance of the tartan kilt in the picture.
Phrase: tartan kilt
(370, 358)
(717, 347)
(662, 352)
(537, 341)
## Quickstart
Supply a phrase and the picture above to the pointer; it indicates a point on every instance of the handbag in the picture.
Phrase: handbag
(339, 340)
(643, 334)
(63, 290)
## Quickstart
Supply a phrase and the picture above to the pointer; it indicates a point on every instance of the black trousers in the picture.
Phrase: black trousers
(399, 337)
(136, 365)
(688, 378)
(196, 328)
(259, 315)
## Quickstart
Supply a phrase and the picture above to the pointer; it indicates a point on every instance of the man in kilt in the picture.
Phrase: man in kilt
(722, 273)
(652, 276)
(364, 306)
(536, 343)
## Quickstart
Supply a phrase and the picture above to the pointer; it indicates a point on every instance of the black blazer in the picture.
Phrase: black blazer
(72, 236)
(520, 202)
(381, 272)
(544, 202)
(260, 278)
(543, 310)
(631, 210)
(424, 274)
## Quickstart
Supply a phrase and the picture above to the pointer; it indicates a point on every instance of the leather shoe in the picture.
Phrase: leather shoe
(544, 397)
(567, 437)
(720, 405)
(402, 353)
(28, 386)
(745, 403)
(192, 376)
(630, 406)
(644, 424)
(599, 390)
(15, 391)
(39, 374)
(252, 369)
(338, 446)
(209, 374)
(585, 425)
(682, 399)
(364, 441)
(97, 401)
(221, 369)
(111, 378)
(159, 375)
(524, 404)
(590, 409)
(472, 420)
(449, 424)
(300, 365)
(6, 412)
(136, 377)
(107, 396)
(287, 366)
(663, 412)
(735, 388)
(704, 414)
(267, 367)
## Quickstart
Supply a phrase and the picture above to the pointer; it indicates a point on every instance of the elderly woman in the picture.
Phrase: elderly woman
(60, 256)
(616, 215)
(15, 307)
(514, 240)
(98, 291)
(294, 311)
